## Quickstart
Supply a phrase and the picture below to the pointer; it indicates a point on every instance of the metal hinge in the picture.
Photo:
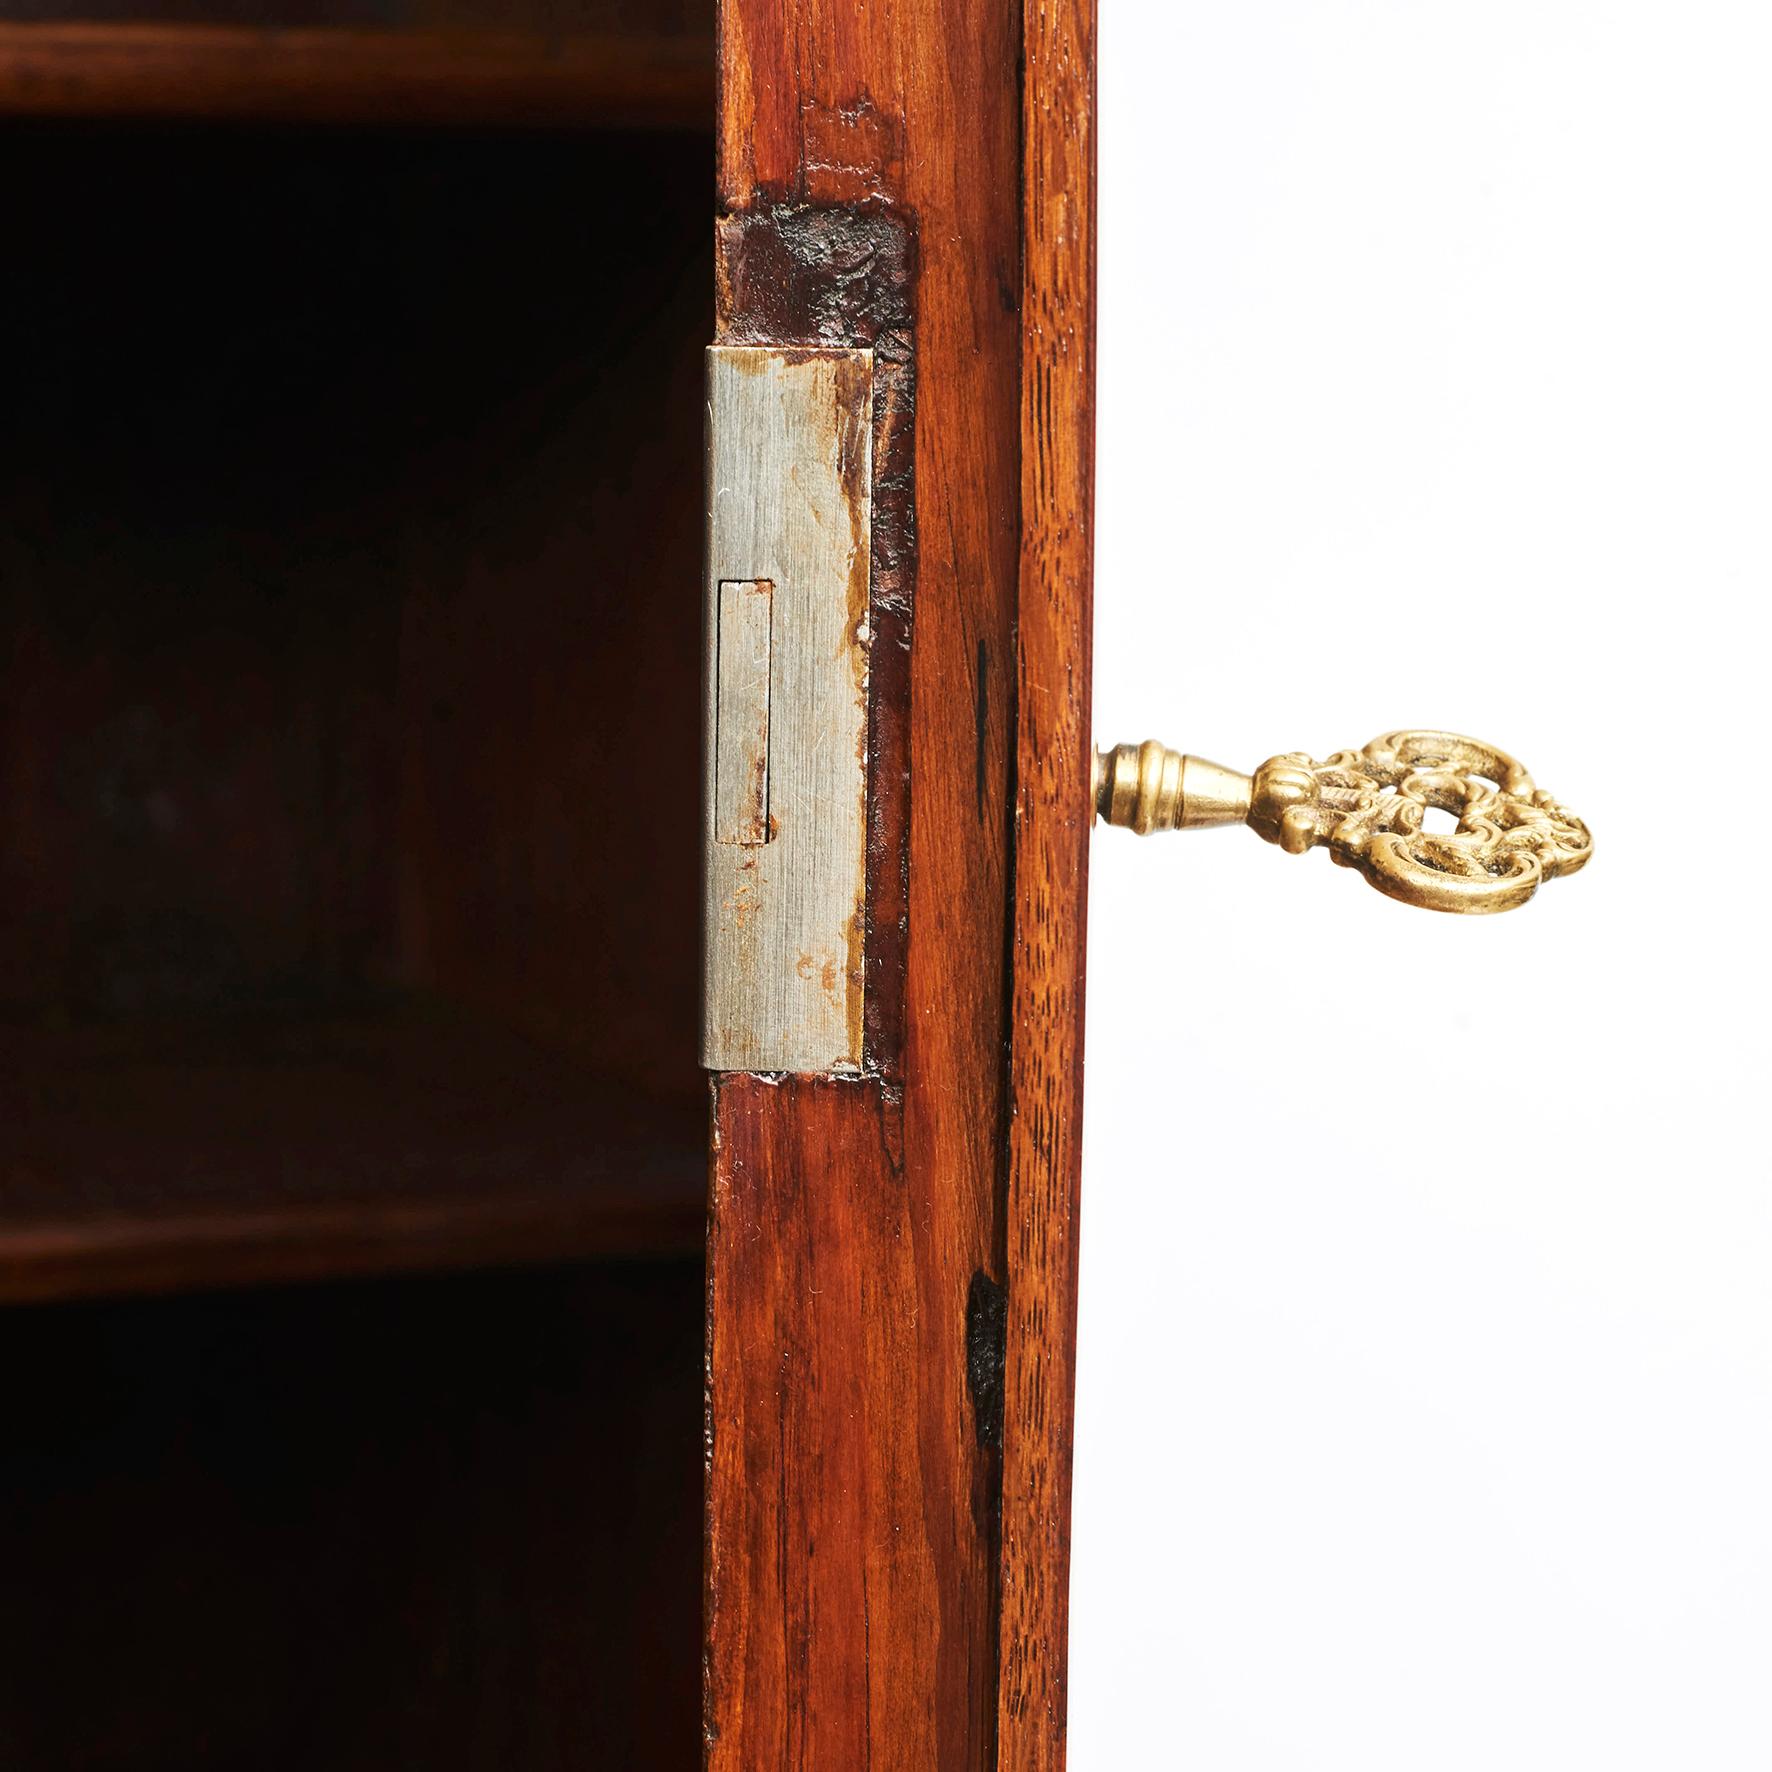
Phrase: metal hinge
(786, 708)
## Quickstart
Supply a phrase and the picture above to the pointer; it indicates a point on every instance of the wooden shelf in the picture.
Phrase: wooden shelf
(348, 75)
(253, 1152)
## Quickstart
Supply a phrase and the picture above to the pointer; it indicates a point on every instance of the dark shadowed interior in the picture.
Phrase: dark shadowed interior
(350, 490)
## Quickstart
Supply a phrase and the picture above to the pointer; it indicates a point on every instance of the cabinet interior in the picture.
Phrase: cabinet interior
(350, 525)
(430, 1521)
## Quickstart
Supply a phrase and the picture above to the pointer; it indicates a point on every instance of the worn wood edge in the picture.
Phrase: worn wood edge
(1052, 823)
(342, 75)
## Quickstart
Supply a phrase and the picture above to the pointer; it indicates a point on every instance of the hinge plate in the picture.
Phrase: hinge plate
(786, 708)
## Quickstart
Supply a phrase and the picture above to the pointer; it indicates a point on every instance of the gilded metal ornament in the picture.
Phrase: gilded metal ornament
(1367, 809)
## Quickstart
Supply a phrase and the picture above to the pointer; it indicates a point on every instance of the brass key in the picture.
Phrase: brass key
(1366, 808)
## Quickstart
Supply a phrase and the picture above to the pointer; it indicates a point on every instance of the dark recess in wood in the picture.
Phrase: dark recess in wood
(987, 1317)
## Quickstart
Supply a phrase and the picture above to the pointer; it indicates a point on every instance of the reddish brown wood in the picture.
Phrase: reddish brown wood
(1053, 815)
(846, 1500)
(346, 74)
(857, 1230)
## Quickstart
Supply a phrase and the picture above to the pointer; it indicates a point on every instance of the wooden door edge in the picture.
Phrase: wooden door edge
(1052, 821)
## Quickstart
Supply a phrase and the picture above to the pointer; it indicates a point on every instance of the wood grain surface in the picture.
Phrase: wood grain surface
(866, 1257)
(1053, 814)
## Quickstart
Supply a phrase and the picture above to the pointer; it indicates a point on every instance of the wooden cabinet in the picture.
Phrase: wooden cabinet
(388, 1382)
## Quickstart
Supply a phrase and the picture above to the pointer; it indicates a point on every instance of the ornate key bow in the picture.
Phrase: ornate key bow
(1367, 808)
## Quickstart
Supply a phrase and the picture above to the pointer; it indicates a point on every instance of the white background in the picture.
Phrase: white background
(1425, 1406)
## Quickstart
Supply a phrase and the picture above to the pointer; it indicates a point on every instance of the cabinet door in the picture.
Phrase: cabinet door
(892, 1246)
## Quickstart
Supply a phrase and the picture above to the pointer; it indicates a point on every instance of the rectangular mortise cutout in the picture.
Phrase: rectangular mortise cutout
(741, 743)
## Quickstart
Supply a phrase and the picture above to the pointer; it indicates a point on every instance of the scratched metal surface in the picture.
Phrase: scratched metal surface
(789, 470)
